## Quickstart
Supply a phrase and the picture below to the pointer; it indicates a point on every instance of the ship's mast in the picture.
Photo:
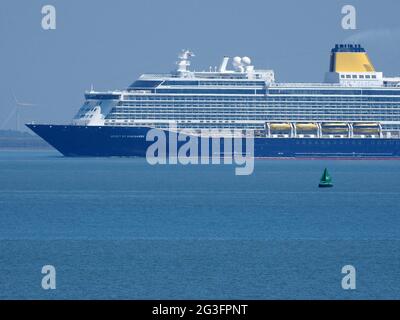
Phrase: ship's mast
(184, 62)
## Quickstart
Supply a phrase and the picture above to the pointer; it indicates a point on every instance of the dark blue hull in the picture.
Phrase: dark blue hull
(107, 141)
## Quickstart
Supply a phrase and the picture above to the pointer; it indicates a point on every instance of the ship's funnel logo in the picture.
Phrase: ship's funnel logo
(205, 147)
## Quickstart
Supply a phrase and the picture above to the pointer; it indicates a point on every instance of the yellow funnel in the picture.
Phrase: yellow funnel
(350, 58)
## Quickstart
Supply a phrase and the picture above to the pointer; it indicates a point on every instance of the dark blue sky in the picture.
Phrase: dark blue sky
(110, 43)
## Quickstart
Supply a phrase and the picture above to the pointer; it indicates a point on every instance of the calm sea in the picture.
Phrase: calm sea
(120, 228)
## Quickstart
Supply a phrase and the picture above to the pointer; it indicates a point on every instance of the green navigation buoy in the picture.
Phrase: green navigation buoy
(326, 180)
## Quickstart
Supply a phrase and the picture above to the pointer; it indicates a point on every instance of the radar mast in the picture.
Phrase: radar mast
(184, 61)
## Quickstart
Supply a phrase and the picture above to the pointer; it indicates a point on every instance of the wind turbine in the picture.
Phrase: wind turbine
(16, 111)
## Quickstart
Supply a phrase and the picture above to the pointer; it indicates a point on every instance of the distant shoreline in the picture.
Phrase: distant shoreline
(18, 140)
(16, 149)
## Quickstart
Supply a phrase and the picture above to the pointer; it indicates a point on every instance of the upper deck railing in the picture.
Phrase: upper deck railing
(327, 85)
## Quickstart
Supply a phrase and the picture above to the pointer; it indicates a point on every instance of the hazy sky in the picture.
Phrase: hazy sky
(109, 43)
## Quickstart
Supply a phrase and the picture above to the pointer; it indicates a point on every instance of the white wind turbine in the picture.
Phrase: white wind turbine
(16, 112)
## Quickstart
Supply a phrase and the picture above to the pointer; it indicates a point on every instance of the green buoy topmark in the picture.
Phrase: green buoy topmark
(326, 180)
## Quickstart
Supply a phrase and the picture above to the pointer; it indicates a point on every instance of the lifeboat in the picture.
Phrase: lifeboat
(334, 124)
(335, 127)
(280, 126)
(306, 126)
(366, 128)
(366, 125)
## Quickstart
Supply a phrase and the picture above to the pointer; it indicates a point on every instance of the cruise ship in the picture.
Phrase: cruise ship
(354, 113)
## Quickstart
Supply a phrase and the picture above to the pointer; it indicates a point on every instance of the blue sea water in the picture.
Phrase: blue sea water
(120, 228)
